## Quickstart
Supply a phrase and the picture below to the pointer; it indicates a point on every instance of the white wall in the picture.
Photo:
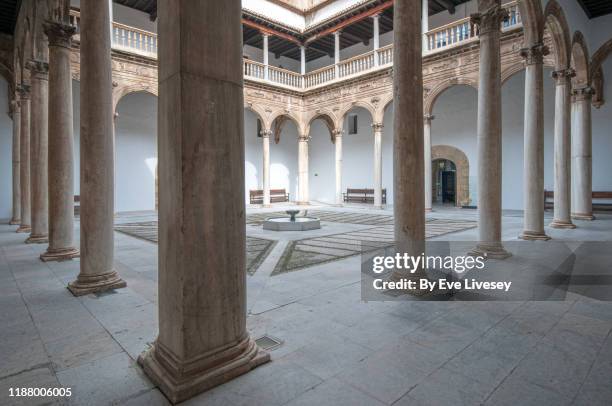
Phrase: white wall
(6, 160)
(322, 164)
(358, 153)
(284, 161)
(253, 158)
(602, 135)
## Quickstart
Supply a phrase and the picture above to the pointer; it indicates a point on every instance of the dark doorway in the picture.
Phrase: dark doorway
(445, 182)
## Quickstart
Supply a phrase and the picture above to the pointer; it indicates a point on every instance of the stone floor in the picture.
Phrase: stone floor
(336, 349)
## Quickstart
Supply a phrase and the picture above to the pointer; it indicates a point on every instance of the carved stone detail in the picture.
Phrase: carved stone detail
(534, 54)
(59, 34)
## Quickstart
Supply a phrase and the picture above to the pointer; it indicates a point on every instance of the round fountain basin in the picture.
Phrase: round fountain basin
(285, 224)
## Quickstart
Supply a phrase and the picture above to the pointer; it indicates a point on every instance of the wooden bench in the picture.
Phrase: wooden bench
(549, 204)
(362, 196)
(77, 205)
(276, 196)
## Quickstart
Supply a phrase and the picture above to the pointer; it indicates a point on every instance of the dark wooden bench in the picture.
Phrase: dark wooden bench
(77, 205)
(549, 196)
(362, 196)
(276, 196)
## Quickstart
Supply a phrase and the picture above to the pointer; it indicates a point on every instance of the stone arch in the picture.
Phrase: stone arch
(510, 71)
(556, 23)
(532, 18)
(328, 118)
(462, 166)
(121, 91)
(600, 56)
(580, 60)
(347, 108)
(278, 120)
(444, 86)
(259, 113)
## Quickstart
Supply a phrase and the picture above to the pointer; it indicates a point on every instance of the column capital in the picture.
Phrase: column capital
(582, 93)
(490, 20)
(377, 126)
(337, 133)
(60, 35)
(534, 54)
(563, 76)
(304, 138)
(265, 133)
(427, 118)
(39, 69)
(24, 91)
(375, 16)
(15, 104)
(337, 33)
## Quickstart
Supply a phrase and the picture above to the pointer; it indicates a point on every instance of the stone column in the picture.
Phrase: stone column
(265, 138)
(39, 154)
(489, 17)
(427, 154)
(265, 55)
(533, 144)
(408, 202)
(377, 127)
(97, 154)
(338, 144)
(582, 158)
(303, 169)
(24, 161)
(203, 340)
(376, 20)
(425, 23)
(16, 218)
(337, 53)
(563, 155)
(61, 145)
(303, 64)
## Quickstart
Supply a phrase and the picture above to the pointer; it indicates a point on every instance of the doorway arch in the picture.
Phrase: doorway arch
(461, 164)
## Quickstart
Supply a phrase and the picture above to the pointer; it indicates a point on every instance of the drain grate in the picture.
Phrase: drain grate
(268, 343)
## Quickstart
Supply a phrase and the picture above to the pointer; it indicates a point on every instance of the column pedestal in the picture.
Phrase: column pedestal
(61, 149)
(562, 167)
(24, 162)
(489, 18)
(39, 152)
(97, 272)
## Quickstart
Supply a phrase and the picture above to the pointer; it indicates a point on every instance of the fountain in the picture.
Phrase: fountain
(292, 223)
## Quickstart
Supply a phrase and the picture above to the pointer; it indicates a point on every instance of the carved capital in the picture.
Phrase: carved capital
(583, 93)
(304, 138)
(427, 118)
(377, 127)
(39, 69)
(563, 76)
(60, 35)
(265, 133)
(24, 91)
(534, 54)
(337, 132)
(490, 20)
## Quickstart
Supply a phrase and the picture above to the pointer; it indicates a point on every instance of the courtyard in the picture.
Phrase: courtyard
(335, 348)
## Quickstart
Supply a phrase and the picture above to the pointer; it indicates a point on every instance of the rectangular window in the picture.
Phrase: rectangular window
(258, 127)
(352, 124)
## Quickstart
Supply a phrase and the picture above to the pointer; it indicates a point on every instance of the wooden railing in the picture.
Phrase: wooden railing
(134, 40)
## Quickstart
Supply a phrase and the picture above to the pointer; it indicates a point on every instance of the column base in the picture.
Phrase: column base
(428, 210)
(180, 380)
(60, 254)
(302, 203)
(534, 236)
(561, 224)
(490, 251)
(86, 284)
(15, 222)
(24, 229)
(266, 206)
(583, 216)
(37, 239)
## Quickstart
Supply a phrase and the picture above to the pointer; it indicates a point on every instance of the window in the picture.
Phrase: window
(352, 124)
(259, 128)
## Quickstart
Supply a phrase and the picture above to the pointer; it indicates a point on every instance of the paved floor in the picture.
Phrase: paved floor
(336, 349)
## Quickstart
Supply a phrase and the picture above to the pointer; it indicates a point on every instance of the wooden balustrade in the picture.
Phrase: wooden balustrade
(320, 76)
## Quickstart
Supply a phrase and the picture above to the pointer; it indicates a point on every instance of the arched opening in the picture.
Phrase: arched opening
(6, 144)
(444, 181)
(284, 155)
(136, 152)
(321, 160)
(358, 150)
(253, 152)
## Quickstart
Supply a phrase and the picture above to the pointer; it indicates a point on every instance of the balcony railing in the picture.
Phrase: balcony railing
(140, 42)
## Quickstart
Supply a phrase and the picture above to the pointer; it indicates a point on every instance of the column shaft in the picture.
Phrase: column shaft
(39, 145)
(24, 162)
(97, 154)
(266, 166)
(582, 158)
(266, 56)
(489, 131)
(533, 156)
(61, 146)
(303, 170)
(377, 164)
(563, 155)
(16, 157)
(376, 21)
(427, 160)
(338, 145)
(203, 340)
(337, 53)
(408, 185)
(425, 23)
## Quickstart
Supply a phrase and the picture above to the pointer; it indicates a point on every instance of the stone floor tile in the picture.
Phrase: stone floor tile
(41, 377)
(517, 391)
(80, 348)
(334, 393)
